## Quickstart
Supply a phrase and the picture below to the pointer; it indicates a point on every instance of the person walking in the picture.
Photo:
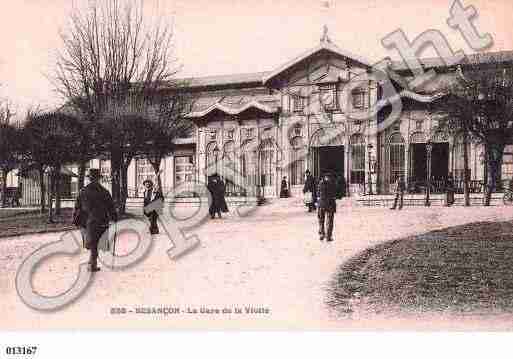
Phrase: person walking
(284, 189)
(221, 188)
(151, 195)
(217, 190)
(310, 191)
(327, 205)
(449, 190)
(399, 193)
(94, 208)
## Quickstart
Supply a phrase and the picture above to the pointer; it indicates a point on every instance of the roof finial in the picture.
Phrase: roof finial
(325, 37)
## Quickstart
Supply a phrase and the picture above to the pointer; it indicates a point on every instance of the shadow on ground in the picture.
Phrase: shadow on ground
(465, 269)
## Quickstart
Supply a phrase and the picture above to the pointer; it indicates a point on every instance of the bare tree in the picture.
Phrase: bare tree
(480, 106)
(113, 51)
(167, 123)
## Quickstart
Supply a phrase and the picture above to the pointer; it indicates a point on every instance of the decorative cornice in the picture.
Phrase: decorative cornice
(231, 110)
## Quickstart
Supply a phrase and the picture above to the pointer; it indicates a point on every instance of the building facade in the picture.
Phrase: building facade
(316, 112)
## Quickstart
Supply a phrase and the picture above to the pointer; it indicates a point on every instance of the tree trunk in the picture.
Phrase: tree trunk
(494, 161)
(51, 191)
(115, 170)
(466, 179)
(81, 175)
(156, 168)
(124, 182)
(4, 188)
(123, 189)
(58, 194)
(42, 189)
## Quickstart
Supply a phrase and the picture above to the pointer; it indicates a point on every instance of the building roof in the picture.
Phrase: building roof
(184, 141)
(220, 80)
(481, 58)
(324, 45)
(233, 109)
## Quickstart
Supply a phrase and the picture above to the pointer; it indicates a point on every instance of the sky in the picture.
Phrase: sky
(214, 37)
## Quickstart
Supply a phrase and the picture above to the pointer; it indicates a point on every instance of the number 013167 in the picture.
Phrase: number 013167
(21, 350)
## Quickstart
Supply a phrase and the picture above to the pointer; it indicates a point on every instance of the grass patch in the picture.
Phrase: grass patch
(30, 222)
(34, 222)
(13, 212)
(466, 268)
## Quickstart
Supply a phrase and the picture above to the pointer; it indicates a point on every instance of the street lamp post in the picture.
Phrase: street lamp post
(429, 148)
(369, 147)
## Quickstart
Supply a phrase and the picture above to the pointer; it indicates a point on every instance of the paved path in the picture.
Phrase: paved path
(271, 259)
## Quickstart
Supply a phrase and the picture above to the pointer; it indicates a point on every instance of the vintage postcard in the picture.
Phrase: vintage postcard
(241, 165)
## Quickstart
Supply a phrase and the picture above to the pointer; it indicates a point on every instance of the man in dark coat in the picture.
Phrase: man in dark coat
(217, 190)
(94, 208)
(449, 190)
(399, 193)
(284, 188)
(310, 186)
(151, 195)
(327, 205)
(222, 195)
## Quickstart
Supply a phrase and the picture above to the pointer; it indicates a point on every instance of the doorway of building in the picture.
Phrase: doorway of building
(418, 164)
(440, 161)
(331, 158)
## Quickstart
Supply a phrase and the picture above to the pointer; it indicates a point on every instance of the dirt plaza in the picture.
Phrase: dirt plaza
(267, 270)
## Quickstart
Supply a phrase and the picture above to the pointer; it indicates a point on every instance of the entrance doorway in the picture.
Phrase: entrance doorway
(331, 158)
(418, 162)
(328, 158)
(440, 161)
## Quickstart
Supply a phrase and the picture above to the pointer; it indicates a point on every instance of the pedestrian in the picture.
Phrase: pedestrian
(310, 191)
(327, 205)
(152, 195)
(222, 195)
(217, 191)
(449, 190)
(399, 193)
(284, 189)
(94, 208)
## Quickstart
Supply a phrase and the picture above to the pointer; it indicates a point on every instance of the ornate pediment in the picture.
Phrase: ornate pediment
(325, 50)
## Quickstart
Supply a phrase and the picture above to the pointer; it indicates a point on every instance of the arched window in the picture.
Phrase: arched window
(248, 166)
(357, 146)
(212, 157)
(458, 158)
(297, 161)
(229, 168)
(266, 163)
(396, 156)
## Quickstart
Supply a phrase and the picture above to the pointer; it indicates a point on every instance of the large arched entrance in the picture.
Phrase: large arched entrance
(439, 159)
(267, 166)
(327, 152)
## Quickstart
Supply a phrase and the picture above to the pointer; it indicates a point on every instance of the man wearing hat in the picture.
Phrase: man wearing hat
(94, 208)
(327, 205)
(150, 195)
